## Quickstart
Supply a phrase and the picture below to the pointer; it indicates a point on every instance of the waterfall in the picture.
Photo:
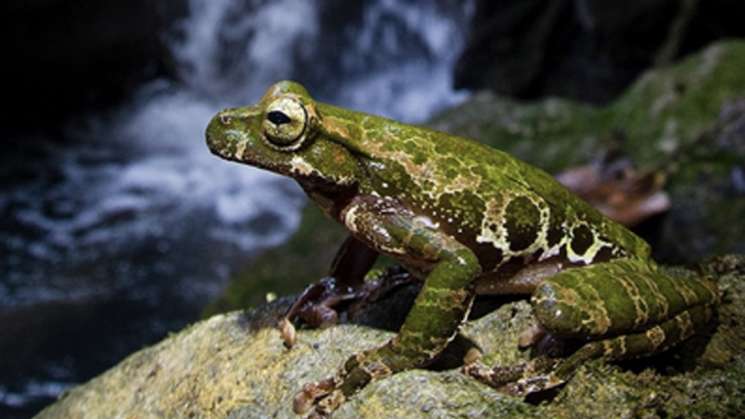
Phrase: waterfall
(136, 210)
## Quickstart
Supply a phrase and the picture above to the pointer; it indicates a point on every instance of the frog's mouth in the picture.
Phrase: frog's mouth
(235, 144)
(230, 142)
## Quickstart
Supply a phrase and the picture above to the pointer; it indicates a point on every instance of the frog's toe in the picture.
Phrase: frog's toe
(531, 336)
(321, 303)
(315, 306)
(318, 399)
(319, 315)
(525, 386)
(518, 380)
(494, 377)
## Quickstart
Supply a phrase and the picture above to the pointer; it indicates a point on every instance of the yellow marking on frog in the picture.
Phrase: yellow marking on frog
(240, 149)
(301, 166)
(662, 301)
(596, 310)
(463, 183)
(656, 336)
(495, 231)
(588, 256)
(350, 217)
(689, 296)
(640, 304)
(685, 324)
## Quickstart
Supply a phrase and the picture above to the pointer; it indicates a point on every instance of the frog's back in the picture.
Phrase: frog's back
(491, 200)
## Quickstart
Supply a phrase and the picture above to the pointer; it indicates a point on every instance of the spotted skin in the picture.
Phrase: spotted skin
(466, 219)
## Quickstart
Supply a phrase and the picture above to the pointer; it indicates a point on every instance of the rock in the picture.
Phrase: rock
(235, 365)
(584, 49)
(64, 56)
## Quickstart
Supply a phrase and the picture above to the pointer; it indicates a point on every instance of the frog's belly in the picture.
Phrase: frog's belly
(518, 279)
(510, 279)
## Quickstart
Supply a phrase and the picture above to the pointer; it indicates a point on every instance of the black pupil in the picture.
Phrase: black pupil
(277, 118)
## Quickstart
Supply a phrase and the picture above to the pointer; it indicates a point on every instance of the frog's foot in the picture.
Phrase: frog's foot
(518, 380)
(318, 304)
(323, 397)
(544, 372)
(542, 342)
(315, 305)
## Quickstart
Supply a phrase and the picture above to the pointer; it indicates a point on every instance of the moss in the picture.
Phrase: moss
(664, 110)
(234, 365)
(670, 108)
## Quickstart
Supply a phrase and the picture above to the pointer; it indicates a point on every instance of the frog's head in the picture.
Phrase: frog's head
(281, 133)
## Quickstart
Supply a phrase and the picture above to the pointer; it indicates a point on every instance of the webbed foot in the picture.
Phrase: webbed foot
(518, 380)
(322, 398)
(319, 304)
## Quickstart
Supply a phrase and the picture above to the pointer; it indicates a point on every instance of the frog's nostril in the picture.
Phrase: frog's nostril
(225, 119)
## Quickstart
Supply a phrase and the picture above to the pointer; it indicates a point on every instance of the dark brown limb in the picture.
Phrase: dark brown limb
(352, 262)
(522, 282)
(318, 304)
(315, 305)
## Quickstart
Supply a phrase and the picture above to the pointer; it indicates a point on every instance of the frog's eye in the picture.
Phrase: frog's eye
(285, 123)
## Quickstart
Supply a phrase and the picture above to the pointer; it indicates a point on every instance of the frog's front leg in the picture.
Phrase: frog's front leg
(438, 310)
(315, 306)
(623, 309)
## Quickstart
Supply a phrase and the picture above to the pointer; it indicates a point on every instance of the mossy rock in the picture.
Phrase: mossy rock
(664, 110)
(234, 365)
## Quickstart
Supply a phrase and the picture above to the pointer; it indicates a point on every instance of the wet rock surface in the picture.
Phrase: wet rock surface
(235, 365)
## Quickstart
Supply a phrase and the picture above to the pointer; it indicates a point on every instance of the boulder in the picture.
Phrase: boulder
(234, 365)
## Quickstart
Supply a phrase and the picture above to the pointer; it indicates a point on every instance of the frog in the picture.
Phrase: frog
(465, 219)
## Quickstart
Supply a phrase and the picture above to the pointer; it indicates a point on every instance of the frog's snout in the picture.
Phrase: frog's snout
(215, 131)
(210, 135)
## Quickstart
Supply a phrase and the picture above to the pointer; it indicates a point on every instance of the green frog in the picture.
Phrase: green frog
(466, 219)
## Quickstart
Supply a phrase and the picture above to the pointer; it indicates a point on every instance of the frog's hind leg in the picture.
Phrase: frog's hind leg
(543, 373)
(622, 309)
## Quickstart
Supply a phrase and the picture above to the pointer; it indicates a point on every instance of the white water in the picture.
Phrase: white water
(142, 171)
(139, 209)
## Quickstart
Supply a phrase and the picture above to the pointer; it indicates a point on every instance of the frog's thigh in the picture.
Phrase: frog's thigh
(615, 298)
(524, 281)
(654, 340)
(627, 308)
(541, 373)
